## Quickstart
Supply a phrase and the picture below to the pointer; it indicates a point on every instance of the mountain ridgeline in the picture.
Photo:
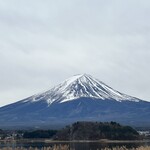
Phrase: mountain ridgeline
(79, 98)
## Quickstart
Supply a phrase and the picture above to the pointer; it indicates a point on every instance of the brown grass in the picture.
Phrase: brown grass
(66, 147)
(124, 148)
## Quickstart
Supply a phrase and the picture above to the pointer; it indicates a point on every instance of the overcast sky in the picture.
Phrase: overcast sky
(43, 42)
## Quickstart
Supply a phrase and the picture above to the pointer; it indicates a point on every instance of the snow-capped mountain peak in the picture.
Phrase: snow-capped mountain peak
(79, 98)
(80, 86)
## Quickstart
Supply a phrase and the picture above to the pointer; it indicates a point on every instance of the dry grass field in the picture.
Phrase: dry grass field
(66, 147)
(124, 148)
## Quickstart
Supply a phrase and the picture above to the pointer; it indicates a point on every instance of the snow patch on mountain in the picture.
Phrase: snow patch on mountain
(80, 86)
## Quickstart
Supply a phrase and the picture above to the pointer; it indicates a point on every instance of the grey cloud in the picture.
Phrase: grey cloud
(45, 42)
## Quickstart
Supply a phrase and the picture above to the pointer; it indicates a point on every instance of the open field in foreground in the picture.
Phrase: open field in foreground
(66, 147)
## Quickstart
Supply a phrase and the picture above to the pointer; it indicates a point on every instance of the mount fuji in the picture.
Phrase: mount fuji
(79, 98)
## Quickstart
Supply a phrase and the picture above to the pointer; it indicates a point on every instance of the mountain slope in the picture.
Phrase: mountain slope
(80, 86)
(81, 97)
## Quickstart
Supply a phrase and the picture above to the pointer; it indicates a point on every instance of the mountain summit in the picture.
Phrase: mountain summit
(79, 98)
(80, 86)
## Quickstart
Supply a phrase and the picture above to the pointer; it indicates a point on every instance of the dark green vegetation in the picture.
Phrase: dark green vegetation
(78, 131)
(40, 134)
(96, 131)
(2, 134)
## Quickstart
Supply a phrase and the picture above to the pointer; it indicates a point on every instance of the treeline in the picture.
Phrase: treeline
(40, 134)
(96, 131)
(2, 134)
(80, 131)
